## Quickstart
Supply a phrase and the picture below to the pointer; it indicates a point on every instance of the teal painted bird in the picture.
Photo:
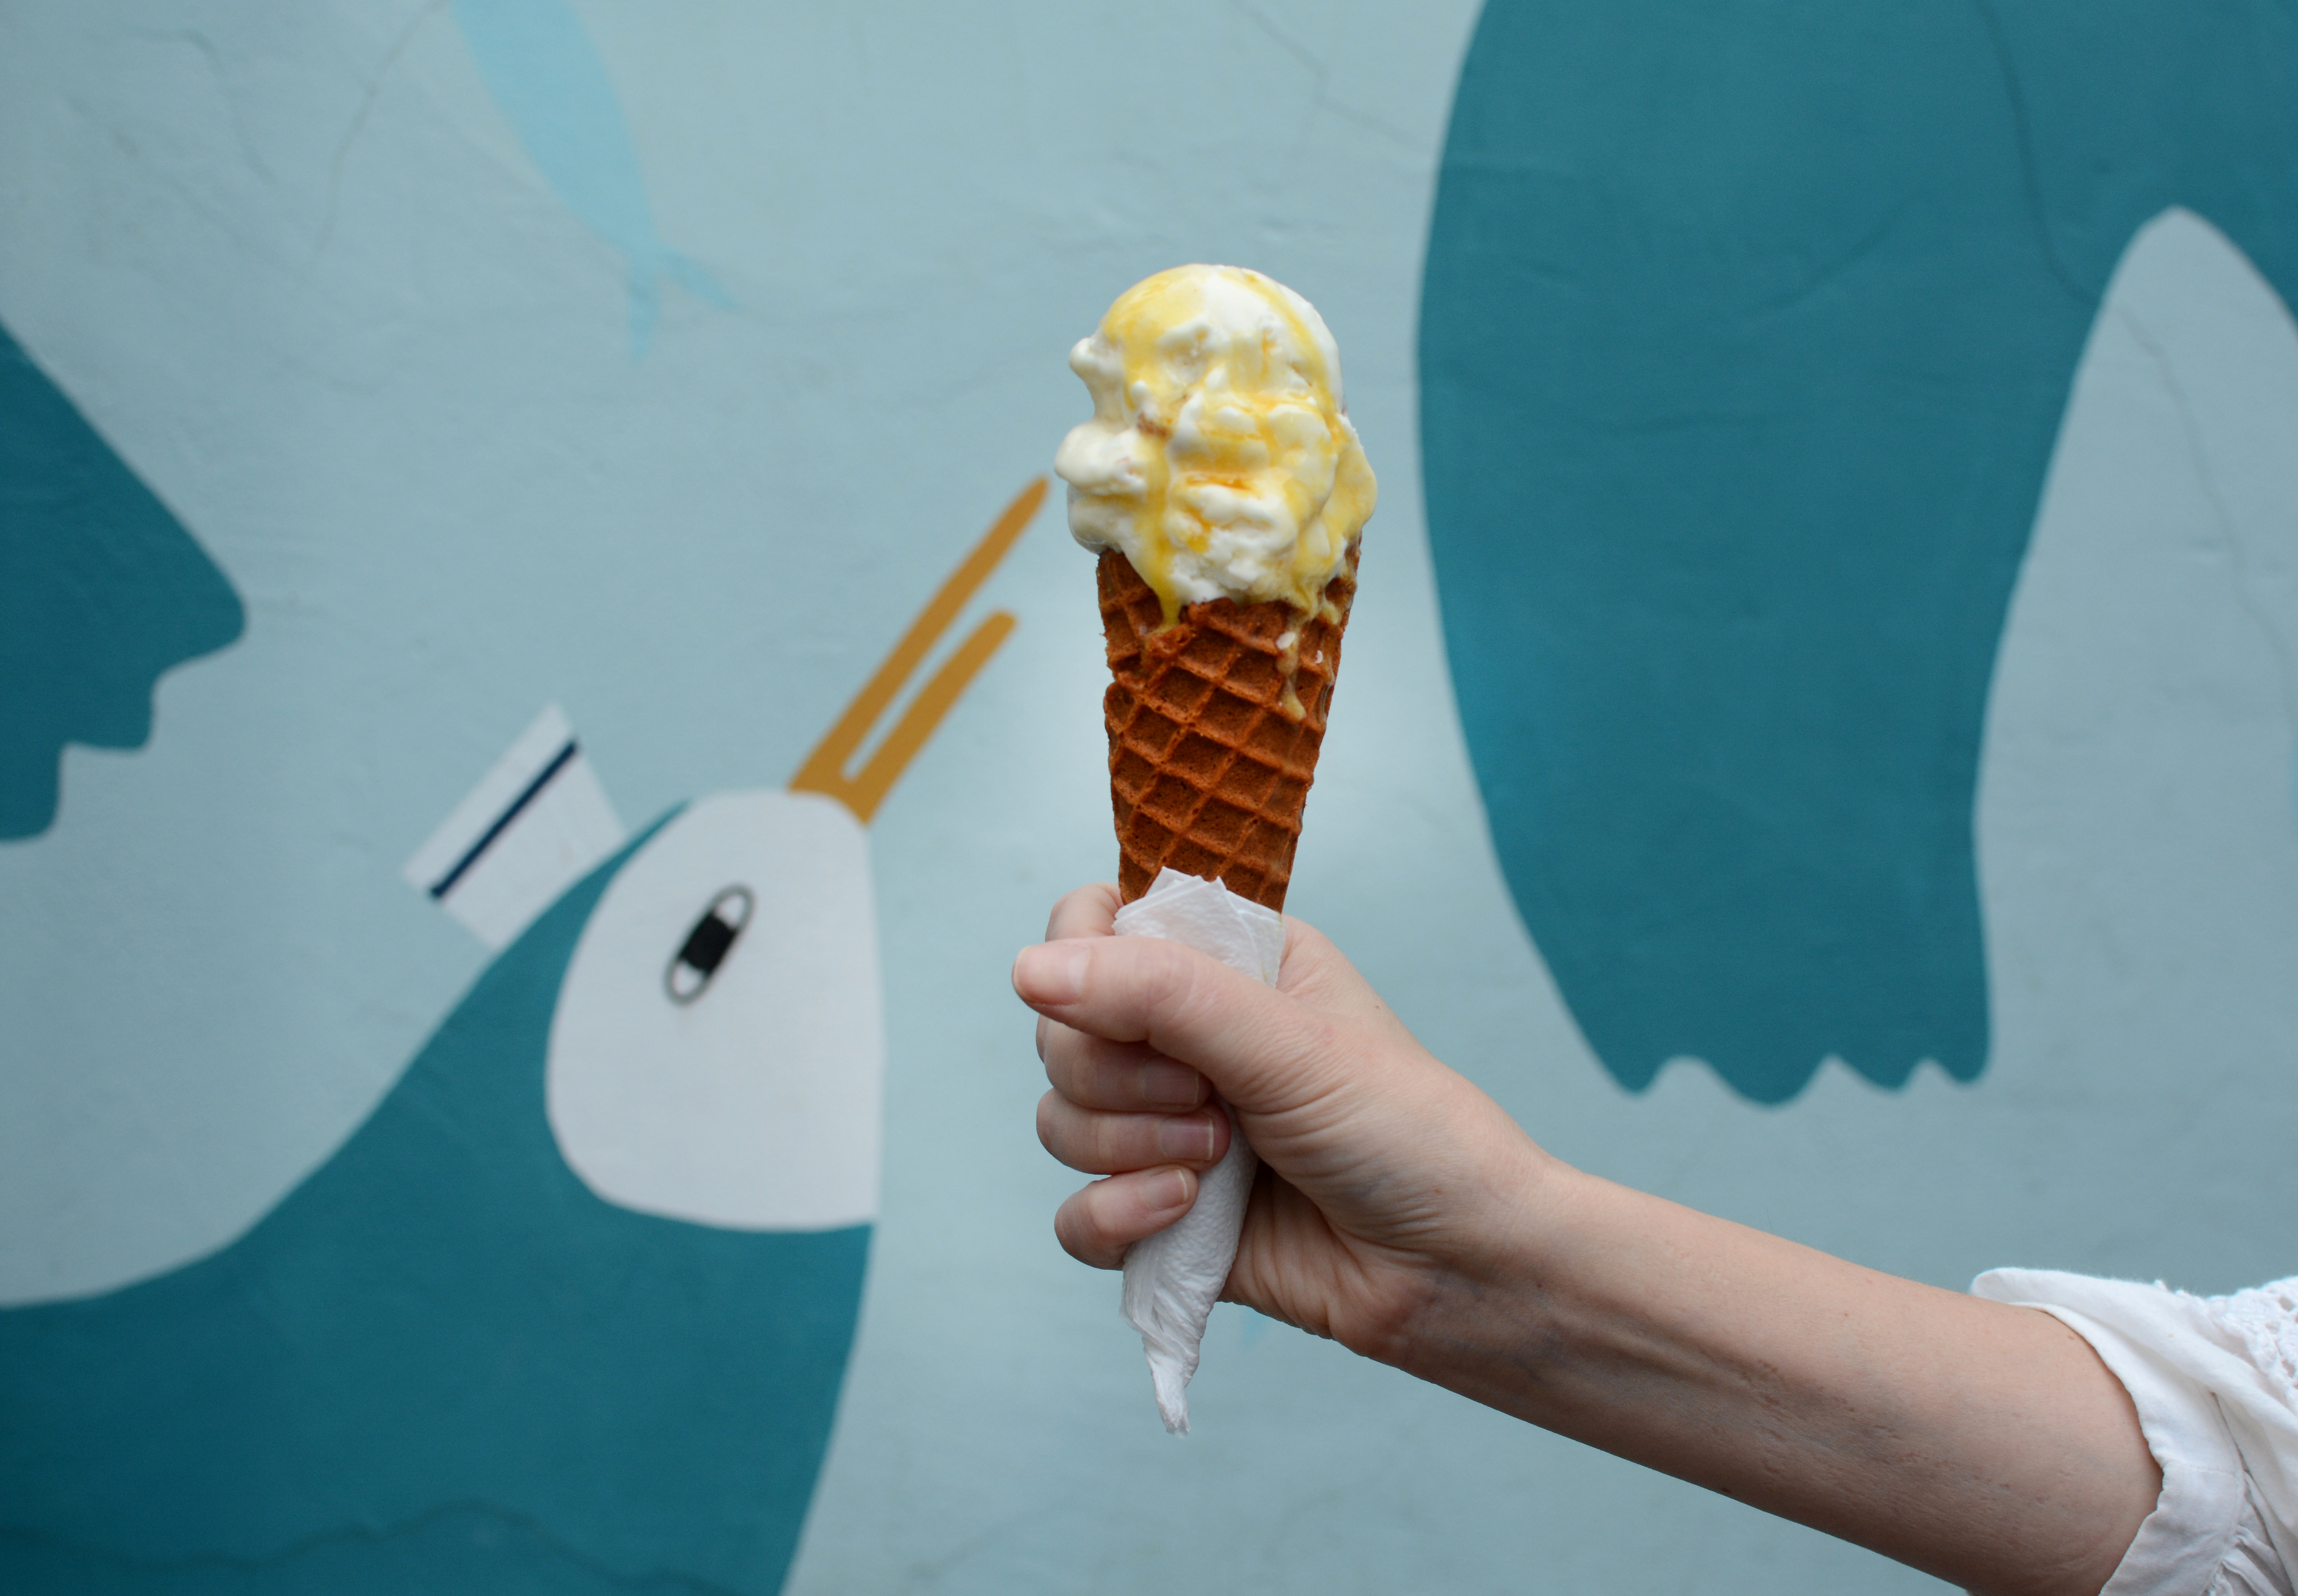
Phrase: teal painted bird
(442, 1363)
(570, 1311)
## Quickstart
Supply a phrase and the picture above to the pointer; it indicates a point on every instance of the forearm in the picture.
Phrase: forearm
(1402, 1212)
(1984, 1443)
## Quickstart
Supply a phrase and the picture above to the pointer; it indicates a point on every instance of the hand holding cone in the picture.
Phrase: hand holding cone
(1224, 487)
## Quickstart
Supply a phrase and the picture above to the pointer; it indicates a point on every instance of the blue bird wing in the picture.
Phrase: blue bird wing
(440, 1356)
(1737, 394)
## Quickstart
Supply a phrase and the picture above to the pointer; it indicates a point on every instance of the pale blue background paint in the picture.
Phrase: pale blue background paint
(298, 269)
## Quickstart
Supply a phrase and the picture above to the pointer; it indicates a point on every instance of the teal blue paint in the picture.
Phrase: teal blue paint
(543, 72)
(464, 1547)
(1745, 335)
(102, 592)
(439, 1365)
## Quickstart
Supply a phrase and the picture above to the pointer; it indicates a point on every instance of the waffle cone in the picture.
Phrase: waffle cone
(1215, 723)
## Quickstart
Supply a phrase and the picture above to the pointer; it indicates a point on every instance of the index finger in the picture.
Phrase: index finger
(1087, 912)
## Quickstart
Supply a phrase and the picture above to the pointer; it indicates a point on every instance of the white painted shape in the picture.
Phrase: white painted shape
(526, 758)
(564, 831)
(755, 1106)
(2138, 861)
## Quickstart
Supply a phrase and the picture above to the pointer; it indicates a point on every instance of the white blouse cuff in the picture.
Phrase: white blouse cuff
(2205, 1527)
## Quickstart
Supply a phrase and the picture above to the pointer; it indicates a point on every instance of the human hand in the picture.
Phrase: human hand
(1385, 1176)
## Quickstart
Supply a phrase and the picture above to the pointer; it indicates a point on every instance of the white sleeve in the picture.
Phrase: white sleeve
(2212, 1380)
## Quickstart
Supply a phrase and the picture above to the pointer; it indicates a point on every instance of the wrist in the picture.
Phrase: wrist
(1480, 1290)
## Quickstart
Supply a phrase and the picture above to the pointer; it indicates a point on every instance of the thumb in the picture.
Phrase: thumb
(1265, 1052)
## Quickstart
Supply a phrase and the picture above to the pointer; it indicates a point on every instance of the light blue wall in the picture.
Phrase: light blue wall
(319, 280)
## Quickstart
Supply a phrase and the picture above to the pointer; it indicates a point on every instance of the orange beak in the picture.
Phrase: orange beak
(826, 769)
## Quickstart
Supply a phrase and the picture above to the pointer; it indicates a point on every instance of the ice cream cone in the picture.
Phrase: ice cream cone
(1223, 488)
(1215, 723)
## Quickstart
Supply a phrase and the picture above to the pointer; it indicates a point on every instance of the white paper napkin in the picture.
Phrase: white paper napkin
(1173, 1279)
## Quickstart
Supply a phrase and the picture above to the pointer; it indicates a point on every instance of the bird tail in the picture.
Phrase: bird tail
(647, 272)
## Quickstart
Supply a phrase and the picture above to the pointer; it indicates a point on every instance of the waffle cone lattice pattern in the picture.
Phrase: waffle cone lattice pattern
(1209, 769)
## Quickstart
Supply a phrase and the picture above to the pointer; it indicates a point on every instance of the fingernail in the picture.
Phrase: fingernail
(1051, 972)
(1167, 1189)
(1170, 1086)
(1191, 1138)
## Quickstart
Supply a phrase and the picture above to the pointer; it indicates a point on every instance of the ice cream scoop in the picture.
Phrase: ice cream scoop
(1219, 460)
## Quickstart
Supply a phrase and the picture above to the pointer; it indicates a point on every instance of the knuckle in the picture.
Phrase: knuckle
(1064, 910)
(1057, 1050)
(1049, 1108)
(1101, 1074)
(1109, 1139)
(1177, 986)
(1116, 1088)
(1094, 1205)
(1075, 1228)
(1084, 912)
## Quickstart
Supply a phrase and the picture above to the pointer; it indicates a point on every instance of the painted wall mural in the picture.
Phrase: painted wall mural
(545, 74)
(465, 1127)
(1739, 392)
(102, 591)
(572, 1309)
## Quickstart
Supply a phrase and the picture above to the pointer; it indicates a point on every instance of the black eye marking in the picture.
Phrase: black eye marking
(705, 947)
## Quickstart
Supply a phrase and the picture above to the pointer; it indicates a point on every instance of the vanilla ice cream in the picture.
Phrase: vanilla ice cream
(1219, 459)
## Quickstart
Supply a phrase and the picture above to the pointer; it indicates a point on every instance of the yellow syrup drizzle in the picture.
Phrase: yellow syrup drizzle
(1260, 388)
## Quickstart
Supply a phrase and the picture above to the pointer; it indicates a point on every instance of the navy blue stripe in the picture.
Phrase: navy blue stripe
(502, 822)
